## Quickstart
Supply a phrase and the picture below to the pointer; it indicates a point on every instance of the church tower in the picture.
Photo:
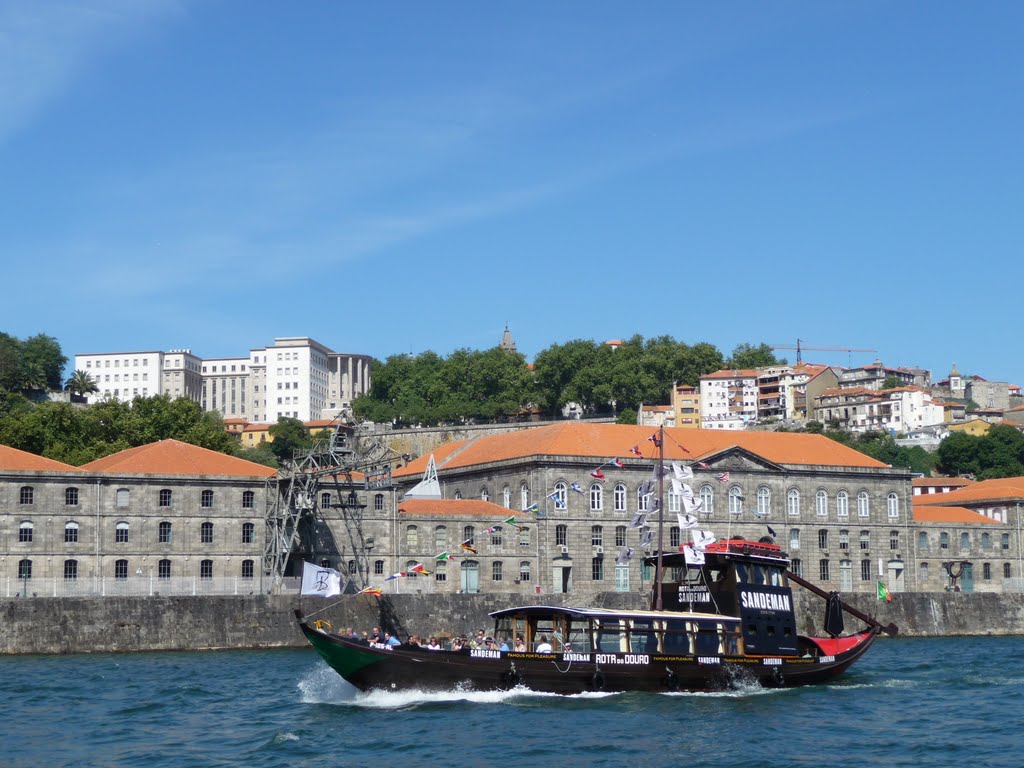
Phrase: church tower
(507, 341)
(956, 383)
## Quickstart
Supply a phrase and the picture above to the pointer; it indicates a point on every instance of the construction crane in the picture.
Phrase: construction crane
(800, 348)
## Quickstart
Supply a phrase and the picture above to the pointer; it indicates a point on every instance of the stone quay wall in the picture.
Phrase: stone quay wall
(47, 625)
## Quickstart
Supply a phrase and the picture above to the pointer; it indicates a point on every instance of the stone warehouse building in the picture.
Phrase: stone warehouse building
(184, 519)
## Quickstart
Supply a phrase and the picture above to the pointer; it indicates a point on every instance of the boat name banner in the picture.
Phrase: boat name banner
(694, 594)
(481, 653)
(766, 600)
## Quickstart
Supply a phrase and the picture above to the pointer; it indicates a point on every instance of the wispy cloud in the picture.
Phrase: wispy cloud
(45, 45)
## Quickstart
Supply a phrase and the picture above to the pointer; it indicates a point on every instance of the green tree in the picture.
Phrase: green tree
(958, 454)
(748, 356)
(42, 355)
(81, 383)
(626, 416)
(289, 435)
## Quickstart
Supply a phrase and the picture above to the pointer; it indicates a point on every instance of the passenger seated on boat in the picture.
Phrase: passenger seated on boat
(375, 637)
(504, 646)
(365, 639)
(543, 646)
(478, 641)
(457, 643)
(490, 645)
(520, 645)
(391, 640)
(432, 645)
(414, 641)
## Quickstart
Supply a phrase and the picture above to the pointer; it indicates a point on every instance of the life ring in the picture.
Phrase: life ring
(597, 681)
(510, 678)
(671, 681)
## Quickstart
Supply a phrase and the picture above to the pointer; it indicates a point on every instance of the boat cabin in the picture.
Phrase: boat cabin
(738, 578)
(585, 631)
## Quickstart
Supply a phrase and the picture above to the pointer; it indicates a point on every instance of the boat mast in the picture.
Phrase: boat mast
(661, 517)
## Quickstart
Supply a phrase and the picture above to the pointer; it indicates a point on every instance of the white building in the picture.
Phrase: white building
(900, 410)
(295, 376)
(728, 399)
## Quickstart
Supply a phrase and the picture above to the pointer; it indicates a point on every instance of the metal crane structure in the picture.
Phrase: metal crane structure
(298, 509)
(800, 347)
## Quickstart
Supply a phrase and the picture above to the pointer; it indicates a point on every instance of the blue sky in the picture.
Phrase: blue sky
(407, 176)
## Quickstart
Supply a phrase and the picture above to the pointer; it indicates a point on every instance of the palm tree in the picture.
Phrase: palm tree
(81, 383)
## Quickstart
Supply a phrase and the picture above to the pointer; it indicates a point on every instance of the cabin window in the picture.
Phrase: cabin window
(611, 638)
(677, 638)
(619, 498)
(71, 532)
(643, 636)
(706, 640)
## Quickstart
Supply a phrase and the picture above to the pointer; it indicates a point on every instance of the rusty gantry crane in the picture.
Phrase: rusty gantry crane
(800, 348)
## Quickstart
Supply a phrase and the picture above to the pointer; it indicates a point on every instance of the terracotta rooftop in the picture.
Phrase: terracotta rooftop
(725, 373)
(604, 442)
(458, 507)
(12, 458)
(986, 490)
(949, 515)
(173, 457)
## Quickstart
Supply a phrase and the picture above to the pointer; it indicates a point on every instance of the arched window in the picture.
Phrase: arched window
(892, 504)
(165, 497)
(735, 500)
(794, 538)
(764, 501)
(164, 532)
(457, 495)
(965, 542)
(468, 534)
(559, 497)
(842, 504)
(71, 532)
(894, 539)
(863, 504)
(121, 570)
(619, 497)
(924, 572)
(986, 542)
(524, 536)
(71, 497)
(206, 499)
(524, 571)
(248, 533)
(378, 502)
(596, 497)
(27, 495)
(496, 536)
(524, 496)
(707, 499)
(70, 570)
(248, 569)
(164, 569)
(673, 536)
(378, 567)
(496, 570)
(793, 502)
(25, 569)
(821, 503)
(485, 495)
(25, 531)
(844, 540)
(506, 497)
(440, 538)
(206, 569)
(922, 541)
(441, 571)
(248, 499)
(412, 537)
(409, 572)
(124, 497)
(325, 500)
(675, 502)
(121, 532)
(206, 533)
(643, 500)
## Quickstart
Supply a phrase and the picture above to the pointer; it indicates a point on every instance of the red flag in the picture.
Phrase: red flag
(597, 473)
(654, 439)
(635, 450)
(618, 463)
(702, 465)
(723, 478)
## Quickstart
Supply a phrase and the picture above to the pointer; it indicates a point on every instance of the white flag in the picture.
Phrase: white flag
(693, 557)
(325, 582)
(682, 474)
(687, 521)
(692, 505)
(701, 539)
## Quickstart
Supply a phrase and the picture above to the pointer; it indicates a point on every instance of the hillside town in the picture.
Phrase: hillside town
(530, 507)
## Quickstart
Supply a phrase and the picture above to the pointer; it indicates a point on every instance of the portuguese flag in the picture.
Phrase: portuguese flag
(883, 593)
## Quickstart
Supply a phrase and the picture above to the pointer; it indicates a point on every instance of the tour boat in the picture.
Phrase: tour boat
(724, 619)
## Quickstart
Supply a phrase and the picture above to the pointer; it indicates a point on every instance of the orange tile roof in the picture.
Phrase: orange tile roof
(927, 482)
(473, 507)
(606, 441)
(12, 458)
(950, 515)
(173, 457)
(985, 490)
(256, 428)
(725, 373)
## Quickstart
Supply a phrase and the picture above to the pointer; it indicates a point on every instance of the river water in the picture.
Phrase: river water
(918, 702)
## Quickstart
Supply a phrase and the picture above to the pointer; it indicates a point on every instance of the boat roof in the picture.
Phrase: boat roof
(611, 613)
